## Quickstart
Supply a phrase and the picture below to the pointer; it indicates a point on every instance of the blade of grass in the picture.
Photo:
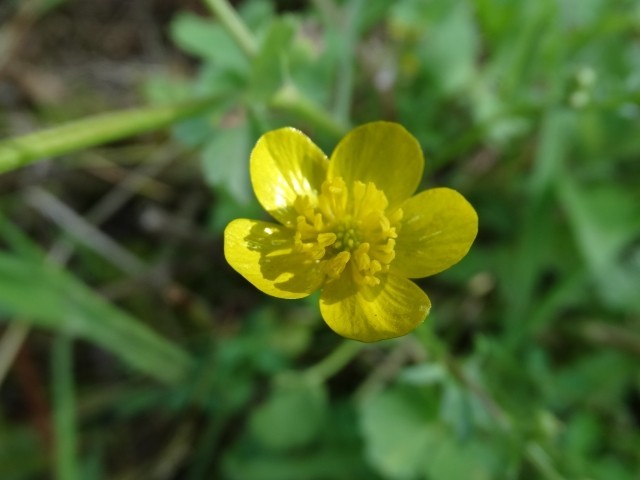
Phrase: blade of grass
(91, 131)
(64, 421)
(525, 263)
(82, 231)
(10, 346)
(53, 298)
(108, 205)
(18, 241)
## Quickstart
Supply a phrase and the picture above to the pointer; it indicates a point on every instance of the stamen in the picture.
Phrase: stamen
(342, 227)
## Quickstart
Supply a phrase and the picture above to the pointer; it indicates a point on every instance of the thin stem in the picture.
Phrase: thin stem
(612, 336)
(345, 74)
(19, 151)
(541, 460)
(334, 362)
(289, 99)
(385, 371)
(439, 350)
(10, 345)
(234, 25)
(343, 22)
(64, 409)
(84, 232)
(14, 32)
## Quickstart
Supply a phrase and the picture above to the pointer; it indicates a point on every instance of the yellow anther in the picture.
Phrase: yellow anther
(326, 239)
(336, 265)
(347, 227)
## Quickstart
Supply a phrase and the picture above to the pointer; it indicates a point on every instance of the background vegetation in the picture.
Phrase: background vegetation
(129, 349)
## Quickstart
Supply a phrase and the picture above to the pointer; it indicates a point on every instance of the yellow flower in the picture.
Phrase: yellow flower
(350, 227)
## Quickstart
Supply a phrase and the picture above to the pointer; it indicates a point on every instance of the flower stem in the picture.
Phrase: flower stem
(234, 25)
(77, 135)
(334, 362)
(289, 99)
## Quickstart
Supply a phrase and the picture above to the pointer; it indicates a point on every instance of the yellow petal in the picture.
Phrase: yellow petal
(437, 229)
(263, 253)
(368, 314)
(383, 153)
(285, 163)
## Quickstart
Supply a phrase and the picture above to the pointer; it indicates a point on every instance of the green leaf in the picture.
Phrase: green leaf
(451, 47)
(582, 434)
(257, 13)
(606, 221)
(292, 416)
(404, 440)
(194, 132)
(268, 68)
(163, 88)
(446, 36)
(400, 431)
(46, 296)
(207, 40)
(556, 137)
(520, 52)
(471, 460)
(335, 454)
(461, 408)
(423, 374)
(21, 453)
(590, 377)
(19, 242)
(225, 161)
(314, 465)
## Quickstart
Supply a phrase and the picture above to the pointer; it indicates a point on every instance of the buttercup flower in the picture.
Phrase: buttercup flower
(350, 227)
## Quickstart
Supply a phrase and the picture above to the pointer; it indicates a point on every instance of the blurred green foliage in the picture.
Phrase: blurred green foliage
(527, 367)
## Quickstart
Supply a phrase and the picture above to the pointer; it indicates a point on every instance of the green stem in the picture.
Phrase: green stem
(10, 345)
(334, 362)
(440, 353)
(19, 151)
(234, 25)
(603, 334)
(345, 73)
(290, 100)
(64, 409)
(541, 460)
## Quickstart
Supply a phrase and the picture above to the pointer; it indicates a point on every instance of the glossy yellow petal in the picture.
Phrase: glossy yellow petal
(263, 253)
(383, 153)
(368, 314)
(285, 163)
(437, 229)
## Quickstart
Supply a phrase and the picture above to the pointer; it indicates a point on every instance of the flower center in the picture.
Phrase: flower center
(348, 230)
(346, 238)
